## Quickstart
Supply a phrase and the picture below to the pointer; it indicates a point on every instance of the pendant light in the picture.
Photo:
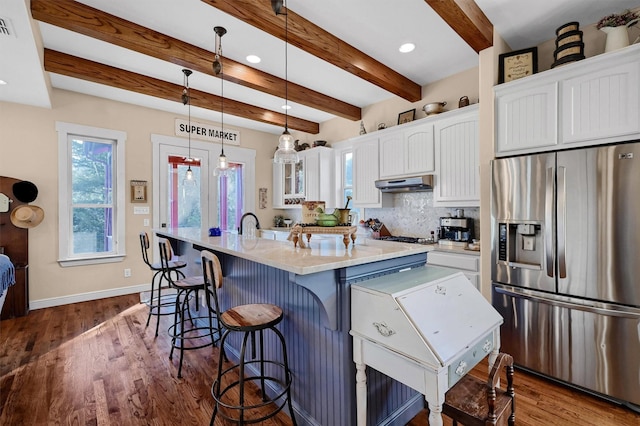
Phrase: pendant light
(222, 168)
(186, 99)
(286, 153)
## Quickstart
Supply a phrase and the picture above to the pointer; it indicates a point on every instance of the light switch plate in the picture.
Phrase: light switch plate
(141, 210)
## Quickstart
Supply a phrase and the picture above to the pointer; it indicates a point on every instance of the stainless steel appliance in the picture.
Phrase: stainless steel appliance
(409, 184)
(565, 252)
(456, 229)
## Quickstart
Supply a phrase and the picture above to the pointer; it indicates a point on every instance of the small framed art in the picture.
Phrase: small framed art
(138, 191)
(517, 64)
(407, 116)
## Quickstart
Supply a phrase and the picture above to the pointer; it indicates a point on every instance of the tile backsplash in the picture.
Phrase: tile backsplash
(413, 215)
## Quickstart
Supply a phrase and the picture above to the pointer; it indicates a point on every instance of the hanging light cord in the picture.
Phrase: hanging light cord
(221, 94)
(286, 70)
(189, 109)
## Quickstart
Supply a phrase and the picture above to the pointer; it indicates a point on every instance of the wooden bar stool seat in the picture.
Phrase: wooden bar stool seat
(158, 303)
(271, 378)
(475, 402)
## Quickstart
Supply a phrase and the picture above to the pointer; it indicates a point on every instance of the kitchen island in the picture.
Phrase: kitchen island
(312, 285)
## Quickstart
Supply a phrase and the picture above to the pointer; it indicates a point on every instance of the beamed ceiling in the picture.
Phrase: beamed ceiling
(341, 56)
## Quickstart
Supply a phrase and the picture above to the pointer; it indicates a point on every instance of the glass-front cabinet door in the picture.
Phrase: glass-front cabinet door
(288, 184)
(294, 182)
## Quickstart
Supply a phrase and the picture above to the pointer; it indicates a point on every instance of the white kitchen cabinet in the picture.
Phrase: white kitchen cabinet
(601, 104)
(457, 182)
(311, 179)
(365, 174)
(527, 118)
(272, 234)
(407, 151)
(468, 264)
(392, 154)
(585, 103)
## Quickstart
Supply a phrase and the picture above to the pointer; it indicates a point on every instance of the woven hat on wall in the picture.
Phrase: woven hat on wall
(25, 191)
(27, 216)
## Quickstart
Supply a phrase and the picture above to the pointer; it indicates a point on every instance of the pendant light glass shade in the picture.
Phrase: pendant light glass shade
(222, 168)
(286, 153)
(186, 100)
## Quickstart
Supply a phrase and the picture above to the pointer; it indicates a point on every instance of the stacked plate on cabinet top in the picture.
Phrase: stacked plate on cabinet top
(569, 45)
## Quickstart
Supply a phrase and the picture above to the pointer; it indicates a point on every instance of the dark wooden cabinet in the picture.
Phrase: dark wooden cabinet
(15, 243)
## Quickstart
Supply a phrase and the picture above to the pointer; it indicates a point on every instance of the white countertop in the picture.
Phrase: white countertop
(320, 255)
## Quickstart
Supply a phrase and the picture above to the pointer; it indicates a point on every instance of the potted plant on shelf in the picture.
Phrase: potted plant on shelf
(615, 26)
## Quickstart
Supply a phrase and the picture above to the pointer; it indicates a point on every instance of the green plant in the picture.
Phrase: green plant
(616, 20)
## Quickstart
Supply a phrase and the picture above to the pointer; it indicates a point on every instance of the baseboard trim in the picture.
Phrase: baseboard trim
(86, 297)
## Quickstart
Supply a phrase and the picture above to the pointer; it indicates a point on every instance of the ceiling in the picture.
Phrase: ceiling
(134, 51)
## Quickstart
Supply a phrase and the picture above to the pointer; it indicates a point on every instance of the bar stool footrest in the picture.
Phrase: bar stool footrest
(227, 410)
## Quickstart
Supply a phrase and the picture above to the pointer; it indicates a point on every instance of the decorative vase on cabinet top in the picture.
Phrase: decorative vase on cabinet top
(617, 37)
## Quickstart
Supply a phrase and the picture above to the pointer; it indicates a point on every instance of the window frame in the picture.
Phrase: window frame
(65, 219)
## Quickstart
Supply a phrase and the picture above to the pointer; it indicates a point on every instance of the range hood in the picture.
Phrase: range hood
(409, 184)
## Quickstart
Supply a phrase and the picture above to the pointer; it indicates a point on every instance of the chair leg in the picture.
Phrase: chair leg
(185, 305)
(215, 389)
(154, 303)
(287, 372)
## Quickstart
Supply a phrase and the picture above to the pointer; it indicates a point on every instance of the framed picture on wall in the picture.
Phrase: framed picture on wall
(517, 64)
(407, 116)
(138, 191)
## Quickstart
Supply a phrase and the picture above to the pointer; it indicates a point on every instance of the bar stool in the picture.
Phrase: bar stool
(158, 304)
(249, 320)
(199, 331)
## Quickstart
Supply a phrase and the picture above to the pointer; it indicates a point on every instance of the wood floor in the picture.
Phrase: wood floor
(95, 363)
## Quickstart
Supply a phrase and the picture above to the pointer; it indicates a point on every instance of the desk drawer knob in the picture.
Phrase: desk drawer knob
(383, 329)
(487, 346)
(461, 369)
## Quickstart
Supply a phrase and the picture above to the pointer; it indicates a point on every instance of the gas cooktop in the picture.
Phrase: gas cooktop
(412, 240)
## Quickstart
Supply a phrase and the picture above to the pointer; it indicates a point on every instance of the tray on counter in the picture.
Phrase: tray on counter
(348, 233)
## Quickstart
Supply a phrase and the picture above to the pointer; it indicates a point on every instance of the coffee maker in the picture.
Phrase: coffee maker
(456, 229)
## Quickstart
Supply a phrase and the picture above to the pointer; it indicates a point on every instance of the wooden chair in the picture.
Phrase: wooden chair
(474, 402)
(159, 304)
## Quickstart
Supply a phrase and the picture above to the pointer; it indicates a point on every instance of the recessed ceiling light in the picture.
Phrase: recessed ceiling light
(407, 47)
(2, 82)
(253, 59)
(287, 106)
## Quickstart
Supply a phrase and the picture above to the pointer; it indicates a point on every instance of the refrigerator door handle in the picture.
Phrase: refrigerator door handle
(548, 226)
(596, 307)
(561, 222)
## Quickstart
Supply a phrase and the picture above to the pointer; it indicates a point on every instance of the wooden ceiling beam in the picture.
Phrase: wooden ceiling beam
(466, 19)
(72, 66)
(75, 16)
(320, 43)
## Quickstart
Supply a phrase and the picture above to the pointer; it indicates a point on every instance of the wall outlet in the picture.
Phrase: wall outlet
(127, 272)
(145, 222)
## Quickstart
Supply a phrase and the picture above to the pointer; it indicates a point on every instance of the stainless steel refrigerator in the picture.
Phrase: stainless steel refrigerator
(565, 255)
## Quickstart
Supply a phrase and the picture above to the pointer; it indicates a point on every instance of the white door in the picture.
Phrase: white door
(182, 203)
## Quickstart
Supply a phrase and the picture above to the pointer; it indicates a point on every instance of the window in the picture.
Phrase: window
(184, 207)
(230, 206)
(347, 173)
(91, 194)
